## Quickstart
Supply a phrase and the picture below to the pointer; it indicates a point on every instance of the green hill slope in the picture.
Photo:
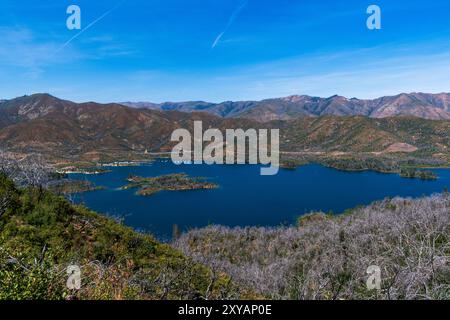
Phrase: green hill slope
(41, 234)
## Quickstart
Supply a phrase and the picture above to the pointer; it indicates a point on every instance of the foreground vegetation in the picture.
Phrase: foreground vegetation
(41, 234)
(322, 257)
(326, 257)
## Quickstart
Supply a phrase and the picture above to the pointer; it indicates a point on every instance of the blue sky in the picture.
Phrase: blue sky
(217, 50)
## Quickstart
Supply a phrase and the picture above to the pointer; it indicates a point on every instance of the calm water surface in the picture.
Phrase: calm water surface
(245, 198)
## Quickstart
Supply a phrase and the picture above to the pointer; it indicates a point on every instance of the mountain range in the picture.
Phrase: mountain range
(91, 131)
(423, 105)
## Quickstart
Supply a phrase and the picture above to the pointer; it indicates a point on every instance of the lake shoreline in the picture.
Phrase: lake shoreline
(245, 198)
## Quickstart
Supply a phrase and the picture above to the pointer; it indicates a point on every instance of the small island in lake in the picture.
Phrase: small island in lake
(418, 174)
(74, 186)
(171, 182)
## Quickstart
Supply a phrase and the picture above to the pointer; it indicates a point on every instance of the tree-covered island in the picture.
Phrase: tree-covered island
(171, 182)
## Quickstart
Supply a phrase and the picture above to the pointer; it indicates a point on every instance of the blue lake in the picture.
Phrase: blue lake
(245, 198)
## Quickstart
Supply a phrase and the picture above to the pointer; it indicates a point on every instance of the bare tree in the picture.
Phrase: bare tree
(327, 257)
(32, 170)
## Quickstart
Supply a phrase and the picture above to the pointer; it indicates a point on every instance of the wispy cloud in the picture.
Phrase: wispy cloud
(90, 25)
(25, 52)
(233, 17)
(366, 73)
(21, 48)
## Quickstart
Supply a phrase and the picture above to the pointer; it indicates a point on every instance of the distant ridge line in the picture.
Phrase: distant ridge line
(422, 105)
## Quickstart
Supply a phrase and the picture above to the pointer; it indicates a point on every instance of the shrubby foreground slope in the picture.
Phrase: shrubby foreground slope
(41, 234)
(326, 257)
(323, 257)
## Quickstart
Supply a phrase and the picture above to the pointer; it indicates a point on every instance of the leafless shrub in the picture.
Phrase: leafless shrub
(32, 170)
(327, 257)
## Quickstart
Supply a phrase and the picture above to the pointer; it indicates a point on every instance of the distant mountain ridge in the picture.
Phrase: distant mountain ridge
(44, 124)
(422, 105)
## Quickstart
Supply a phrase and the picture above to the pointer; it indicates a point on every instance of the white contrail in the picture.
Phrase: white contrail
(89, 26)
(230, 22)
